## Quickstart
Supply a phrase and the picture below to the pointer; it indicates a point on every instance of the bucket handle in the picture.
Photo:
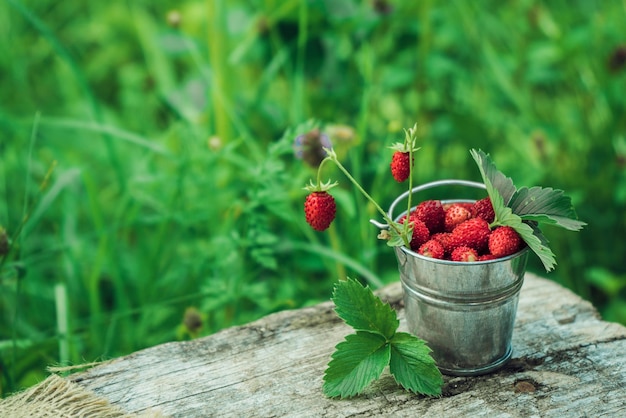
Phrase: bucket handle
(425, 186)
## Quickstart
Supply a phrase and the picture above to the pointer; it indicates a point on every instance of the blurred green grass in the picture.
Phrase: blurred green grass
(147, 161)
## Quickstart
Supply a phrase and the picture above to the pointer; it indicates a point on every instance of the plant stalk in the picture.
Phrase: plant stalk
(333, 157)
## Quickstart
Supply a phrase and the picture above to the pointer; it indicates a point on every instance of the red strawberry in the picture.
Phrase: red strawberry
(483, 209)
(400, 166)
(444, 239)
(504, 241)
(432, 248)
(486, 257)
(473, 233)
(455, 215)
(319, 210)
(432, 214)
(420, 235)
(464, 253)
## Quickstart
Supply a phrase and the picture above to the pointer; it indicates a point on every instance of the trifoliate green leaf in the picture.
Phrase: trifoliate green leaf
(507, 201)
(356, 362)
(362, 310)
(413, 367)
(546, 205)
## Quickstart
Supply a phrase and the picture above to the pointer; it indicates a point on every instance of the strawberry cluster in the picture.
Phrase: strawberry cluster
(460, 231)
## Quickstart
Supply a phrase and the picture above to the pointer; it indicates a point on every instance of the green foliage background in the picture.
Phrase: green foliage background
(148, 182)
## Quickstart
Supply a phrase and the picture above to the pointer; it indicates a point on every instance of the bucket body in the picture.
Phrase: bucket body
(465, 311)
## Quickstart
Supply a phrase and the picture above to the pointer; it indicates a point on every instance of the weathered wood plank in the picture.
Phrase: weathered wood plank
(566, 361)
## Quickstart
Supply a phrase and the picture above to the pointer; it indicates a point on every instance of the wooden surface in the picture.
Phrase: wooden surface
(566, 363)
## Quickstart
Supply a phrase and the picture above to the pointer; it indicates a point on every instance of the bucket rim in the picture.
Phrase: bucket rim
(438, 183)
(463, 263)
(430, 185)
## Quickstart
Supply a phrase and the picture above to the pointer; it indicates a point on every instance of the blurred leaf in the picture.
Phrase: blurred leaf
(605, 280)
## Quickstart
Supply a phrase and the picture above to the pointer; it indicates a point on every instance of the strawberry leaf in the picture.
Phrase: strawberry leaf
(504, 214)
(399, 234)
(356, 362)
(413, 367)
(362, 357)
(541, 248)
(546, 205)
(499, 187)
(362, 310)
(531, 234)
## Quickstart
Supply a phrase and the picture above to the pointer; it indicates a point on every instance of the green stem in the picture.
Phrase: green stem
(319, 171)
(409, 197)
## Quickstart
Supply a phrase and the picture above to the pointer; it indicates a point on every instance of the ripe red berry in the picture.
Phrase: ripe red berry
(473, 233)
(483, 209)
(420, 235)
(400, 166)
(319, 210)
(444, 239)
(432, 248)
(455, 215)
(432, 214)
(464, 253)
(504, 241)
(486, 257)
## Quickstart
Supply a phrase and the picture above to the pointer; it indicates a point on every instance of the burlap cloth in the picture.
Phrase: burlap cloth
(57, 397)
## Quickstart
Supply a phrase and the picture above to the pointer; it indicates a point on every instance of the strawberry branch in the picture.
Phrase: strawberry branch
(409, 140)
(404, 234)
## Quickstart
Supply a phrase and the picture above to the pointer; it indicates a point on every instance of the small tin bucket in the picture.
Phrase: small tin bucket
(464, 311)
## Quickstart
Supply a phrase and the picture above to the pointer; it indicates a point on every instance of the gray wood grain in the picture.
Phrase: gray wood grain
(566, 362)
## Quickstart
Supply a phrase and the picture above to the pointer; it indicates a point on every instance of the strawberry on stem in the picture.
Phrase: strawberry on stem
(402, 159)
(401, 166)
(319, 206)
(319, 210)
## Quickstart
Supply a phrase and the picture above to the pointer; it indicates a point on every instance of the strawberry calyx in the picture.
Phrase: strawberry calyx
(409, 145)
(319, 186)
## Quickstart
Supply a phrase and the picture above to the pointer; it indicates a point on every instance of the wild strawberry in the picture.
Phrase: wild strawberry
(432, 214)
(444, 240)
(319, 210)
(400, 166)
(420, 235)
(432, 248)
(483, 209)
(464, 253)
(473, 233)
(486, 257)
(504, 241)
(455, 215)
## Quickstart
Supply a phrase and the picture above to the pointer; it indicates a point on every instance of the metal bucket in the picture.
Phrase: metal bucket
(464, 311)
